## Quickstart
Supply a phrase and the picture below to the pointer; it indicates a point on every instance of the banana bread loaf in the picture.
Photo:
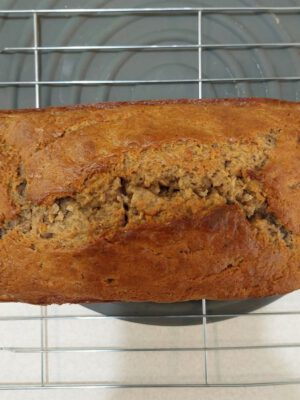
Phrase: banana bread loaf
(150, 201)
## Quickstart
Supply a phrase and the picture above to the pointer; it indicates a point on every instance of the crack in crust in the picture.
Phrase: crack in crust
(148, 186)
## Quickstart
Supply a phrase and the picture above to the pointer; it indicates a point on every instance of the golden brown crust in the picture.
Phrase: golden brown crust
(214, 252)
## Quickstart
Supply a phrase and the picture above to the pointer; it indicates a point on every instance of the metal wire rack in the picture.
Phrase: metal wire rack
(203, 345)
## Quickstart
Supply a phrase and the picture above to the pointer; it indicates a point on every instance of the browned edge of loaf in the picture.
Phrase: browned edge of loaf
(243, 101)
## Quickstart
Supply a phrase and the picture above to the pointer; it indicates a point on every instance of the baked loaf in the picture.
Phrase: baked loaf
(150, 201)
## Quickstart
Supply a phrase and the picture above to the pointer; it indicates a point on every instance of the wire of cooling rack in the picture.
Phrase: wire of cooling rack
(37, 49)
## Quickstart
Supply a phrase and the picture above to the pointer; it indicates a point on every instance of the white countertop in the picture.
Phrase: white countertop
(227, 366)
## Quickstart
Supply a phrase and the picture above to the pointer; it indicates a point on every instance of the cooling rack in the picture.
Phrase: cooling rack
(55, 339)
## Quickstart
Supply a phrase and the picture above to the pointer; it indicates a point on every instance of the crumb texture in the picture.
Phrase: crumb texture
(154, 186)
